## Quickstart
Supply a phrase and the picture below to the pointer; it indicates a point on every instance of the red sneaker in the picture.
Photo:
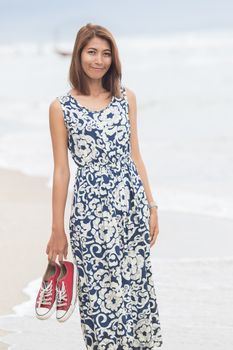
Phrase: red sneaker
(46, 298)
(66, 291)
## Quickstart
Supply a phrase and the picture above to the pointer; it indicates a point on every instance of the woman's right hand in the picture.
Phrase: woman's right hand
(57, 246)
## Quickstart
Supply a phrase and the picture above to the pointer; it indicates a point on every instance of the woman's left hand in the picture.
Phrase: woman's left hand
(154, 226)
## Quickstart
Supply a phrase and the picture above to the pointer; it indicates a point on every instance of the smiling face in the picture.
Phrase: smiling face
(96, 58)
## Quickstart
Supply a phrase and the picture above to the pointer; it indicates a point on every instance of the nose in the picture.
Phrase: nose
(98, 59)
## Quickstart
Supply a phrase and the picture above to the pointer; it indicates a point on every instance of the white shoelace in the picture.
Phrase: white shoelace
(45, 297)
(61, 295)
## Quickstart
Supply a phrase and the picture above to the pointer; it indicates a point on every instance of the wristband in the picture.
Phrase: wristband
(152, 205)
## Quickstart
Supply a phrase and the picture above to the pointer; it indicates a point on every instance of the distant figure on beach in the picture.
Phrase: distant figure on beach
(113, 219)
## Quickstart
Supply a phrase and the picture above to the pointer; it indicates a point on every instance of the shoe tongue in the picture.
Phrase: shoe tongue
(62, 279)
(44, 284)
(60, 282)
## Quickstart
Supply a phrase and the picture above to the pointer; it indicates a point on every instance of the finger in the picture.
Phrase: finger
(153, 241)
(60, 257)
(49, 255)
(47, 249)
(151, 235)
(156, 232)
(154, 236)
(53, 262)
(66, 253)
(52, 257)
(151, 238)
(152, 229)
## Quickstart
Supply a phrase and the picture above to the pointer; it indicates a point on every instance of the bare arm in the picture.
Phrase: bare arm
(61, 176)
(135, 149)
(137, 158)
(61, 172)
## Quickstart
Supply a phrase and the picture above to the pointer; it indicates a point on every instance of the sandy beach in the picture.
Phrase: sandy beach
(25, 216)
(25, 230)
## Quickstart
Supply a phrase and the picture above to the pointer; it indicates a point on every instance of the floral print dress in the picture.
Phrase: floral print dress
(109, 230)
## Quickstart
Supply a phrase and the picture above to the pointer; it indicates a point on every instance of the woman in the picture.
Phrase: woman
(113, 220)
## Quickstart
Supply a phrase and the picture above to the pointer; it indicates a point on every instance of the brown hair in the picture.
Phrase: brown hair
(112, 79)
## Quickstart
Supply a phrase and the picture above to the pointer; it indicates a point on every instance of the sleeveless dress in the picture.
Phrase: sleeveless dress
(109, 230)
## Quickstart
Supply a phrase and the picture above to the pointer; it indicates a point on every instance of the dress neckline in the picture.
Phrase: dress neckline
(88, 109)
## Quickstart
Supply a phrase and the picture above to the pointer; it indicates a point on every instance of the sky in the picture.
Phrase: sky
(29, 21)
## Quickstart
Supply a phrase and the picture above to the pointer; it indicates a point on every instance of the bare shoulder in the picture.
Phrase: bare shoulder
(55, 110)
(55, 106)
(132, 101)
(130, 94)
(56, 116)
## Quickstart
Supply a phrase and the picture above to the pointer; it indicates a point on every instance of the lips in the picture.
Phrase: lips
(97, 68)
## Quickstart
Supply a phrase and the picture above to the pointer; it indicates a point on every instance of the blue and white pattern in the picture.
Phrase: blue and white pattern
(109, 230)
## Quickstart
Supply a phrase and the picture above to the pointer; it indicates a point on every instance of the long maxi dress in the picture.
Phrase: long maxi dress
(109, 230)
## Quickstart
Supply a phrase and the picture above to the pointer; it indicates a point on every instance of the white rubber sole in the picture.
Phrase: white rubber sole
(74, 298)
(48, 314)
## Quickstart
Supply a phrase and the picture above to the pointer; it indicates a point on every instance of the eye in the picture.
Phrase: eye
(91, 52)
(107, 53)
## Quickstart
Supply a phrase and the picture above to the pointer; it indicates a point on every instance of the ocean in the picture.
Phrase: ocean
(183, 83)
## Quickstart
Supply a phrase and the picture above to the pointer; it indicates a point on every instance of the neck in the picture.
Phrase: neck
(96, 87)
